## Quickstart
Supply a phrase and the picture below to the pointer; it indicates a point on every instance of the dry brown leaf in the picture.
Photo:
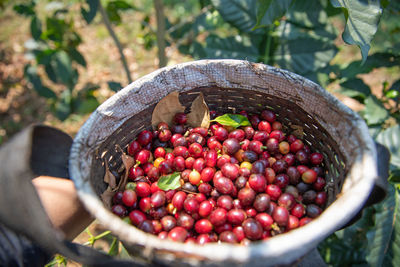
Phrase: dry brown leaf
(109, 178)
(199, 115)
(127, 162)
(107, 196)
(298, 131)
(166, 109)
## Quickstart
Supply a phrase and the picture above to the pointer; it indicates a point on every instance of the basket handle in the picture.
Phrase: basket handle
(40, 150)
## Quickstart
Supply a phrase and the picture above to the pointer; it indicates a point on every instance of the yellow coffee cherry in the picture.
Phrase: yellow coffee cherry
(157, 162)
(246, 164)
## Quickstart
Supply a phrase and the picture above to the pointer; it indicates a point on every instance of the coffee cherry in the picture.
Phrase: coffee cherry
(180, 118)
(281, 216)
(252, 229)
(262, 202)
(257, 182)
(119, 210)
(143, 189)
(309, 176)
(274, 191)
(185, 220)
(203, 226)
(158, 199)
(230, 146)
(230, 170)
(191, 206)
(218, 216)
(178, 234)
(237, 134)
(223, 185)
(236, 216)
(265, 220)
(137, 217)
(144, 137)
(246, 196)
(316, 158)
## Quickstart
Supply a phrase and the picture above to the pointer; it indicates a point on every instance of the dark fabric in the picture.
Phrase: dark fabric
(17, 250)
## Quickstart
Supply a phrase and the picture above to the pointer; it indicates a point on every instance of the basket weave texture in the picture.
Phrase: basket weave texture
(229, 86)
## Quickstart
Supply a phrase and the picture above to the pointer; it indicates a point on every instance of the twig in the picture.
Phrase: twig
(159, 7)
(107, 22)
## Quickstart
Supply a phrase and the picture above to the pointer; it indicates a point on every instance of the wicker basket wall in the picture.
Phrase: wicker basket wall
(229, 86)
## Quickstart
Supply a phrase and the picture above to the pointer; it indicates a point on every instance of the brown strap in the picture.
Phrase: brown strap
(40, 150)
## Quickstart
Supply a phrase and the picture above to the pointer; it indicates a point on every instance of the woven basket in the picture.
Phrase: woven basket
(228, 86)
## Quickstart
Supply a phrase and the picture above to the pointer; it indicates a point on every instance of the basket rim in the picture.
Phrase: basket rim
(336, 215)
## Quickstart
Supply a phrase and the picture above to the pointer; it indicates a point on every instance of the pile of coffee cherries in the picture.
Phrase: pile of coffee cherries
(232, 185)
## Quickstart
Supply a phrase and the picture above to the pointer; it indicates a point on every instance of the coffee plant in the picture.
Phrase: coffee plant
(301, 36)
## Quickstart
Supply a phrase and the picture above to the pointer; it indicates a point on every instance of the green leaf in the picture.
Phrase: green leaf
(362, 22)
(86, 106)
(234, 120)
(169, 182)
(114, 86)
(32, 76)
(309, 14)
(77, 56)
(238, 47)
(394, 176)
(63, 107)
(241, 14)
(304, 54)
(113, 8)
(374, 112)
(270, 11)
(390, 138)
(25, 9)
(36, 28)
(63, 68)
(355, 88)
(379, 237)
(262, 8)
(91, 14)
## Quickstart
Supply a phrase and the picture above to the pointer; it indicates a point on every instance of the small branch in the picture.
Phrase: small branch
(159, 7)
(107, 23)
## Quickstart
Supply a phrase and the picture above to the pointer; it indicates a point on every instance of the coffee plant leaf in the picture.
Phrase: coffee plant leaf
(166, 109)
(250, 15)
(76, 56)
(233, 120)
(114, 86)
(362, 19)
(305, 54)
(36, 27)
(390, 138)
(374, 112)
(199, 115)
(231, 48)
(384, 236)
(169, 182)
(90, 14)
(269, 11)
(32, 76)
(355, 88)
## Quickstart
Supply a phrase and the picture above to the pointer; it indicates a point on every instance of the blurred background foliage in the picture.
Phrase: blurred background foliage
(60, 59)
